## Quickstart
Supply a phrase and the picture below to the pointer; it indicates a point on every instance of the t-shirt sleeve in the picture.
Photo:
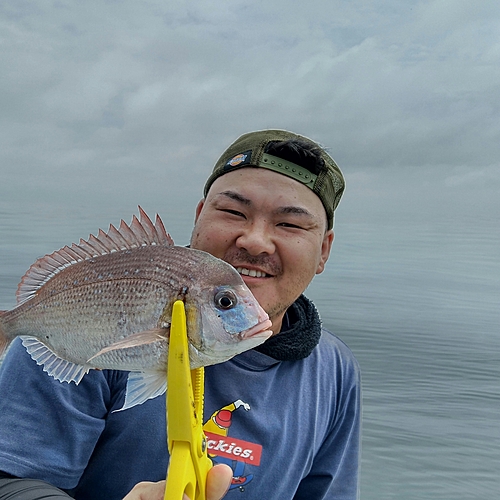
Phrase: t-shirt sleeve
(48, 429)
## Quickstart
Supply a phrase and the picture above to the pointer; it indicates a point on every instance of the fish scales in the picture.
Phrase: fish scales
(115, 295)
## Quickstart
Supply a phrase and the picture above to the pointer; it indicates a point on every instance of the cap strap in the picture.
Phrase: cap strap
(285, 167)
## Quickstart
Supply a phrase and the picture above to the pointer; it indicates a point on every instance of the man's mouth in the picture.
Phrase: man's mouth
(253, 273)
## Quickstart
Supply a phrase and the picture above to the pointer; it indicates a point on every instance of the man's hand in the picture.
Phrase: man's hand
(218, 481)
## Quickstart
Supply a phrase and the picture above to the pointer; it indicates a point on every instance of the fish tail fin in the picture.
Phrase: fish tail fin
(4, 340)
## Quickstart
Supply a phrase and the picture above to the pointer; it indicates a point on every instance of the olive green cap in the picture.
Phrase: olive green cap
(249, 150)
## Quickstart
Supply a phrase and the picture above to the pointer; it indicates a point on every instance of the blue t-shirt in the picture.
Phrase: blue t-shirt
(289, 429)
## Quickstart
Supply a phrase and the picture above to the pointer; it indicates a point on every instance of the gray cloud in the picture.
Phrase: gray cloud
(126, 91)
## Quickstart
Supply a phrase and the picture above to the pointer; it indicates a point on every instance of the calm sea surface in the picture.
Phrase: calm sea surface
(419, 304)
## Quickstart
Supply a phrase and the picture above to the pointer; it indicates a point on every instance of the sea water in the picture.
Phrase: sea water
(416, 299)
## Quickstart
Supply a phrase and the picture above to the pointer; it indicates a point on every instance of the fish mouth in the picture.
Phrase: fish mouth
(262, 329)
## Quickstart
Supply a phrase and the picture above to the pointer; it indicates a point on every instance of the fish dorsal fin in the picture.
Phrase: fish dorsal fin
(140, 232)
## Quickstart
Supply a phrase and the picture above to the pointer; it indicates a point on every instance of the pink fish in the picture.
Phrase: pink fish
(106, 303)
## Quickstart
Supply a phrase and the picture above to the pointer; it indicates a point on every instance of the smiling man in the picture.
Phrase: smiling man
(265, 225)
(268, 210)
(275, 229)
(283, 419)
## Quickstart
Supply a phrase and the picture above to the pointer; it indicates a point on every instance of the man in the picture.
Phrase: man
(284, 416)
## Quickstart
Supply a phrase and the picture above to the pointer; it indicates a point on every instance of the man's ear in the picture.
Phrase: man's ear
(326, 246)
(198, 209)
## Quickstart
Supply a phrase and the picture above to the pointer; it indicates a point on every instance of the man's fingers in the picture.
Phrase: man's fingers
(147, 491)
(218, 481)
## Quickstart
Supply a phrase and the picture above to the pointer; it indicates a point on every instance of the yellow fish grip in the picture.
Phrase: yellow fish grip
(187, 445)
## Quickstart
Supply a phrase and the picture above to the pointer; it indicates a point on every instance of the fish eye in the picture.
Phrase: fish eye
(225, 299)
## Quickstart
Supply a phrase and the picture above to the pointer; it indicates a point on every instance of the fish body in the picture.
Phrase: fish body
(106, 303)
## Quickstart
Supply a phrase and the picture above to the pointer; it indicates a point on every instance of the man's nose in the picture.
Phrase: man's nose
(256, 239)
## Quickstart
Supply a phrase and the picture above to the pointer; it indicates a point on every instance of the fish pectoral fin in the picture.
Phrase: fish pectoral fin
(142, 386)
(54, 365)
(134, 340)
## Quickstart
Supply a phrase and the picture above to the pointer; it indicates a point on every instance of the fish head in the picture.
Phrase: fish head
(229, 318)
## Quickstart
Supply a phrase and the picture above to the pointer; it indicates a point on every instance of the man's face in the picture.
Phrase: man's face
(270, 228)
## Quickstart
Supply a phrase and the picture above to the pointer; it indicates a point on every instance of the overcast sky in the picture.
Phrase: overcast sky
(131, 96)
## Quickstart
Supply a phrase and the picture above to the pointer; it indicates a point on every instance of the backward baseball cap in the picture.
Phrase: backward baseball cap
(250, 150)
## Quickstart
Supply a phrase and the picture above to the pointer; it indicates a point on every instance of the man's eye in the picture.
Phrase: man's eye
(233, 212)
(289, 224)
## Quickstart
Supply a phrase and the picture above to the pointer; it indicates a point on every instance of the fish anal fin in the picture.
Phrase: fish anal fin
(54, 365)
(134, 340)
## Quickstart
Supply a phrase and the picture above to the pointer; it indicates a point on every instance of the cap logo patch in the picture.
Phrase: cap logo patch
(237, 160)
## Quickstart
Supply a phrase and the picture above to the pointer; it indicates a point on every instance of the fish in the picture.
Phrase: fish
(106, 303)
